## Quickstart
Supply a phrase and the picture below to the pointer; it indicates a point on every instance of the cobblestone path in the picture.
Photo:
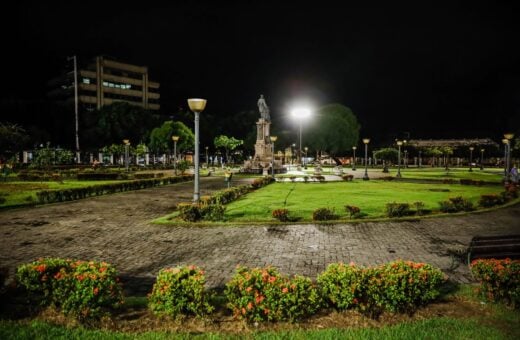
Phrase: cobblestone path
(116, 228)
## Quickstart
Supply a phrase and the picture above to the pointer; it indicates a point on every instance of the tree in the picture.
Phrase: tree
(433, 152)
(335, 130)
(115, 122)
(161, 137)
(12, 139)
(387, 155)
(227, 143)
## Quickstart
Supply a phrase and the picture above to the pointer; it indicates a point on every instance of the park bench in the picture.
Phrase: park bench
(497, 247)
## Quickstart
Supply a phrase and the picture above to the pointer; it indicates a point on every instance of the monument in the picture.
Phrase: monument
(264, 158)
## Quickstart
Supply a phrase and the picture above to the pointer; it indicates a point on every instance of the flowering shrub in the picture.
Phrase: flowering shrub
(261, 182)
(397, 209)
(340, 285)
(179, 291)
(398, 286)
(281, 215)
(190, 212)
(352, 210)
(323, 214)
(455, 204)
(347, 178)
(490, 200)
(261, 294)
(80, 288)
(499, 279)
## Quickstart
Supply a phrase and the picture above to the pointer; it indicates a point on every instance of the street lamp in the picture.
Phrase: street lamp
(300, 113)
(509, 136)
(471, 158)
(506, 168)
(207, 159)
(196, 105)
(273, 139)
(481, 159)
(399, 143)
(175, 140)
(354, 158)
(406, 158)
(420, 159)
(127, 146)
(305, 161)
(366, 141)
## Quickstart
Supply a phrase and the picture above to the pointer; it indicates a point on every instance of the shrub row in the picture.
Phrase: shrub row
(510, 192)
(79, 288)
(211, 207)
(467, 181)
(499, 280)
(90, 289)
(456, 204)
(38, 175)
(51, 196)
(97, 176)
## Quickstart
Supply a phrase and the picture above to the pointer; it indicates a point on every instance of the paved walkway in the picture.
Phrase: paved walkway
(116, 228)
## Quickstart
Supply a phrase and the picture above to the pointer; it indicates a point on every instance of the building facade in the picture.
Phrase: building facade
(105, 81)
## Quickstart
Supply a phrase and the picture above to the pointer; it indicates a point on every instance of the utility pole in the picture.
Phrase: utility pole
(76, 105)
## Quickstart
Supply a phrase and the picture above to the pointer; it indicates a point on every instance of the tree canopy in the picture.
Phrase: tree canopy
(115, 122)
(227, 143)
(335, 130)
(161, 137)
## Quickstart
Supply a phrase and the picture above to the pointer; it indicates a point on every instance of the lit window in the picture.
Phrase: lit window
(86, 81)
(118, 86)
(105, 83)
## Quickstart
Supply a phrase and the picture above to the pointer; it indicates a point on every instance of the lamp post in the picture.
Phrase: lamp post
(506, 143)
(300, 113)
(420, 159)
(207, 159)
(509, 136)
(354, 158)
(293, 150)
(127, 146)
(273, 139)
(399, 143)
(471, 158)
(305, 161)
(196, 105)
(406, 158)
(175, 140)
(481, 159)
(366, 141)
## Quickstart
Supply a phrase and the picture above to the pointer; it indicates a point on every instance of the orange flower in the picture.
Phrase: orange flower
(259, 299)
(249, 289)
(272, 279)
(285, 290)
(96, 291)
(243, 311)
(266, 311)
(355, 301)
(249, 306)
(102, 269)
(41, 268)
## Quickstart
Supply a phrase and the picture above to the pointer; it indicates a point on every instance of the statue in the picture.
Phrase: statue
(263, 108)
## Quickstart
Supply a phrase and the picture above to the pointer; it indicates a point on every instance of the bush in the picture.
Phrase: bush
(190, 212)
(261, 182)
(97, 176)
(319, 178)
(399, 286)
(281, 215)
(347, 178)
(180, 291)
(353, 211)
(80, 288)
(387, 178)
(456, 204)
(490, 200)
(323, 214)
(144, 176)
(262, 294)
(419, 207)
(340, 284)
(499, 280)
(397, 209)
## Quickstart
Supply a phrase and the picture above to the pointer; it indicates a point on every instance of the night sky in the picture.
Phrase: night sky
(431, 68)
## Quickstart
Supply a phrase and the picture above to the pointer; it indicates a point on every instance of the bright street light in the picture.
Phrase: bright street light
(366, 141)
(197, 105)
(300, 113)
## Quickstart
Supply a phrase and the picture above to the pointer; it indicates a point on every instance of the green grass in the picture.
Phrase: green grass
(437, 328)
(488, 175)
(371, 197)
(24, 193)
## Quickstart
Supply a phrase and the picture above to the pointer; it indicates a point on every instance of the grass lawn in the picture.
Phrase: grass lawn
(489, 175)
(371, 197)
(22, 193)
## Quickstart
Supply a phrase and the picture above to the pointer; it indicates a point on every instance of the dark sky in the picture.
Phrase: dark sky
(431, 68)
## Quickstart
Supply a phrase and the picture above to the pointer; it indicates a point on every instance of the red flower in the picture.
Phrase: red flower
(41, 268)
(285, 290)
(249, 306)
(96, 291)
(259, 299)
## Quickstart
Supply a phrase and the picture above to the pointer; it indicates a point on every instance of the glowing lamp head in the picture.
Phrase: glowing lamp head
(301, 112)
(175, 138)
(509, 135)
(366, 140)
(505, 141)
(273, 138)
(354, 147)
(471, 148)
(197, 104)
(126, 141)
(399, 143)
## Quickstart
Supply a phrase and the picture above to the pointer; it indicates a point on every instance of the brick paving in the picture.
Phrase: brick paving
(116, 228)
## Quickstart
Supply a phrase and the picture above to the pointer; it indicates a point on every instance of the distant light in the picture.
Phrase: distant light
(301, 112)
